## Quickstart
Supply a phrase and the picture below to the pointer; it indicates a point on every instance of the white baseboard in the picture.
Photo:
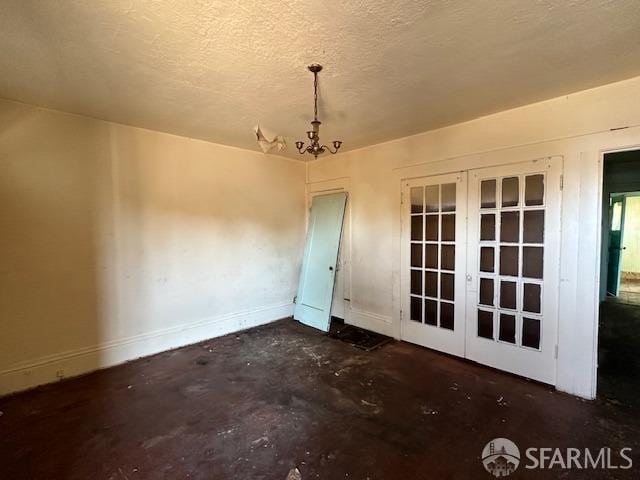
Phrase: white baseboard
(51, 368)
(371, 321)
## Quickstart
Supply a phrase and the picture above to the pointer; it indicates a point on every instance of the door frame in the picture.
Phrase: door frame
(335, 185)
(462, 163)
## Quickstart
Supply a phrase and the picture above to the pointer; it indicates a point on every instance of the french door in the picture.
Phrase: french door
(508, 278)
(434, 262)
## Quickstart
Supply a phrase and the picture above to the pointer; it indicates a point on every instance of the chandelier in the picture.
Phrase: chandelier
(315, 148)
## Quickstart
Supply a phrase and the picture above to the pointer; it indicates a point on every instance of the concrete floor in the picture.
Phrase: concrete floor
(255, 404)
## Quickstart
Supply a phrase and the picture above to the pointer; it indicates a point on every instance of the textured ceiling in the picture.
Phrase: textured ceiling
(213, 69)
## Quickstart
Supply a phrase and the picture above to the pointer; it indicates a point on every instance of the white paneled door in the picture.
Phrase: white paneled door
(316, 286)
(507, 238)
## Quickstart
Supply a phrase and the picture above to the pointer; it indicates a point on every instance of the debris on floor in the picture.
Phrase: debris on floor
(428, 411)
(294, 474)
(214, 413)
(358, 337)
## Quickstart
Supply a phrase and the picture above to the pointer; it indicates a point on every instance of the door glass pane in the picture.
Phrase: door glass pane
(486, 291)
(488, 194)
(531, 298)
(448, 197)
(446, 315)
(531, 332)
(430, 312)
(509, 261)
(486, 259)
(432, 198)
(533, 226)
(416, 282)
(510, 192)
(507, 331)
(446, 286)
(534, 190)
(416, 255)
(510, 227)
(485, 324)
(488, 226)
(448, 260)
(449, 227)
(416, 227)
(508, 295)
(431, 255)
(432, 227)
(416, 199)
(431, 284)
(532, 262)
(416, 309)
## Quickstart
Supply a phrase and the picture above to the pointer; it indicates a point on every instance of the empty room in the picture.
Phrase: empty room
(319, 240)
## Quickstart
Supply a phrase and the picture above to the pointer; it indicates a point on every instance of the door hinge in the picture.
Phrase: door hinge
(556, 352)
(561, 181)
(295, 299)
(400, 315)
(401, 198)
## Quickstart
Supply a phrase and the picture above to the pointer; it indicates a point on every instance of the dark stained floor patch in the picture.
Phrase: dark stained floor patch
(358, 337)
(619, 354)
(282, 396)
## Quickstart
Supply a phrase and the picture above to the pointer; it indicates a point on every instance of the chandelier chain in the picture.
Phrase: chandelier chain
(315, 96)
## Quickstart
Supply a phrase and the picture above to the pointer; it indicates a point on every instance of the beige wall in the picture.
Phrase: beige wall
(118, 242)
(631, 240)
(576, 127)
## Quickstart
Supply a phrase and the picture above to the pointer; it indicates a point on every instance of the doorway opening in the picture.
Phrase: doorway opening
(619, 320)
(623, 266)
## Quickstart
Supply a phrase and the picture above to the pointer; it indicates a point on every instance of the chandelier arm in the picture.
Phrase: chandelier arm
(328, 148)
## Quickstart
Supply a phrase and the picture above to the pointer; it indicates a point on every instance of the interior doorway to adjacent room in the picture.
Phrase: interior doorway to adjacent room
(619, 320)
(623, 266)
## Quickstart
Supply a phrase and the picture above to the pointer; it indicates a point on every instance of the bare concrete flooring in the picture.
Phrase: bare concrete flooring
(255, 404)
